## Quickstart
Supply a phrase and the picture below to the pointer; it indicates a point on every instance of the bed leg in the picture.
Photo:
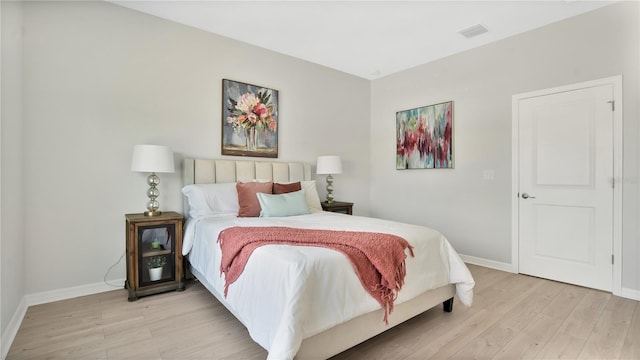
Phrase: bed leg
(448, 305)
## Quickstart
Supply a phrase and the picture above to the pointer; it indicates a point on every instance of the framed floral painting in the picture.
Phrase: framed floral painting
(424, 137)
(249, 120)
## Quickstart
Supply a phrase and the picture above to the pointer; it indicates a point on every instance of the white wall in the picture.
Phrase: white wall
(99, 78)
(472, 212)
(11, 236)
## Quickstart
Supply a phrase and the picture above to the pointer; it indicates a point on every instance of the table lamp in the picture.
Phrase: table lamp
(152, 159)
(329, 165)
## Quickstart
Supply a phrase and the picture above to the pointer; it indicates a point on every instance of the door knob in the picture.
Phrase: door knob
(527, 196)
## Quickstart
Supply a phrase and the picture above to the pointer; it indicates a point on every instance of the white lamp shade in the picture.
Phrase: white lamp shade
(328, 165)
(152, 158)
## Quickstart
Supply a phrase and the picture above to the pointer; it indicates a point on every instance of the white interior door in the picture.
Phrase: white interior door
(565, 186)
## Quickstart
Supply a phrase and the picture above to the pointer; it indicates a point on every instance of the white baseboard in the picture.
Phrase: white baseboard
(625, 293)
(72, 292)
(487, 263)
(49, 296)
(630, 294)
(13, 326)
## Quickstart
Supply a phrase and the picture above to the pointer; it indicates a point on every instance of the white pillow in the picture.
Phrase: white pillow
(288, 204)
(212, 199)
(311, 192)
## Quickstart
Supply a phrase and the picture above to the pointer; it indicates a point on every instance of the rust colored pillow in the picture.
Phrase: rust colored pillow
(247, 198)
(286, 188)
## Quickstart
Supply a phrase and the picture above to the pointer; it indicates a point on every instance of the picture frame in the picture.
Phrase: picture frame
(249, 120)
(424, 137)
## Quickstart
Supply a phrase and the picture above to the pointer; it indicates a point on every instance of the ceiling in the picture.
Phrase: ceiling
(369, 39)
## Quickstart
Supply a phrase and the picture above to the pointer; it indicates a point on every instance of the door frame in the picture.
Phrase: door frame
(616, 82)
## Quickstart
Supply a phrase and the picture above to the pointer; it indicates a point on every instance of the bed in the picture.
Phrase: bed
(317, 307)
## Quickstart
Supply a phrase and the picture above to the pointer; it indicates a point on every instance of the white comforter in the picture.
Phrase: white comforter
(287, 293)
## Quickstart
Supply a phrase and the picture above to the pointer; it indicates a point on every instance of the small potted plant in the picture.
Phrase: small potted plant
(155, 265)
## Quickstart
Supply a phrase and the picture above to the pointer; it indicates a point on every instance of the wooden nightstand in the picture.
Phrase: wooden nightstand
(154, 239)
(338, 206)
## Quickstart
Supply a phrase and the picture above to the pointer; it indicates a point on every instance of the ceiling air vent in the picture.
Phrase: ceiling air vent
(473, 31)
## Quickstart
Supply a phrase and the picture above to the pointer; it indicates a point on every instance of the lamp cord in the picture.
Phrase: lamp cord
(109, 270)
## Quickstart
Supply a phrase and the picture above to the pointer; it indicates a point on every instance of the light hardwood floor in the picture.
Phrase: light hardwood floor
(513, 317)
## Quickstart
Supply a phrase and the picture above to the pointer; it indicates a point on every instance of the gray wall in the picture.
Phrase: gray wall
(99, 78)
(472, 212)
(12, 234)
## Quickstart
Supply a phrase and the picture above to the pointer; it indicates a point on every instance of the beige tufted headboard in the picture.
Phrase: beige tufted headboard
(207, 171)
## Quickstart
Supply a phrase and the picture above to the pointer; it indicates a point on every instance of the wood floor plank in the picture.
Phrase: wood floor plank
(566, 301)
(85, 350)
(58, 347)
(631, 347)
(608, 336)
(586, 314)
(575, 330)
(145, 349)
(528, 343)
(127, 337)
(561, 346)
(513, 316)
(489, 342)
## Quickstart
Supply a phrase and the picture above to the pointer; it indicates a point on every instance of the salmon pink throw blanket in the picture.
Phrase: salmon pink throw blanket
(378, 259)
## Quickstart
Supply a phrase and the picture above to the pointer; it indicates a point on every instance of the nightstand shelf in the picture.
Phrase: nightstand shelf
(156, 252)
(141, 231)
(338, 207)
